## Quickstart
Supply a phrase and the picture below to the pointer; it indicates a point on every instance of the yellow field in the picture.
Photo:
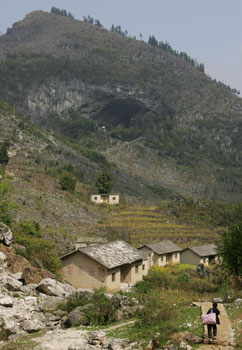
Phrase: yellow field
(146, 224)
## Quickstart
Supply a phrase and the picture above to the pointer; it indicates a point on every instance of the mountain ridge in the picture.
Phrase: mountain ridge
(148, 100)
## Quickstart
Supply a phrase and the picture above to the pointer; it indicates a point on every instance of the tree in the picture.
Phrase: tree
(4, 158)
(152, 41)
(67, 182)
(231, 250)
(104, 182)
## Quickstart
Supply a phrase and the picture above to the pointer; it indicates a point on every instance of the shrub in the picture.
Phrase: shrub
(101, 309)
(104, 182)
(156, 316)
(39, 251)
(67, 182)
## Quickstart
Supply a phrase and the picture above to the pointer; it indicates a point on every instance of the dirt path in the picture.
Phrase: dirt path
(61, 339)
(225, 332)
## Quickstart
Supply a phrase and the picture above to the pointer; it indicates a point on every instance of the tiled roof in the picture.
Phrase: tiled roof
(144, 254)
(112, 254)
(205, 250)
(163, 247)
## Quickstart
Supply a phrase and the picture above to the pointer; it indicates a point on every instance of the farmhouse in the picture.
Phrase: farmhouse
(203, 254)
(162, 253)
(105, 198)
(105, 265)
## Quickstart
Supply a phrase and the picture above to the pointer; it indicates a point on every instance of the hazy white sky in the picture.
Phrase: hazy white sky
(208, 30)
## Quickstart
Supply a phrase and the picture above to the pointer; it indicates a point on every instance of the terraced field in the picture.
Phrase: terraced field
(140, 225)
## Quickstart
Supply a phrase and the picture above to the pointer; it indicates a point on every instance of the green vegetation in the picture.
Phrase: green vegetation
(67, 182)
(5, 204)
(104, 182)
(231, 250)
(99, 310)
(235, 314)
(40, 251)
(61, 12)
(4, 158)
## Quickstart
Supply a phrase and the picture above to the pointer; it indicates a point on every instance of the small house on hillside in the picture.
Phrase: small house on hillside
(87, 241)
(105, 198)
(105, 265)
(203, 254)
(162, 253)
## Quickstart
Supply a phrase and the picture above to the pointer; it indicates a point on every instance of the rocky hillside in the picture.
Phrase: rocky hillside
(154, 115)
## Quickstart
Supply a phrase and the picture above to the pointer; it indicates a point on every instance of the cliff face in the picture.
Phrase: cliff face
(157, 117)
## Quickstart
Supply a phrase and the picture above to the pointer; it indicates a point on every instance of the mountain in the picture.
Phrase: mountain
(158, 120)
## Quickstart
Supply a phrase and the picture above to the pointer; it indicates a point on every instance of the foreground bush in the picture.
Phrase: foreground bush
(156, 317)
(97, 307)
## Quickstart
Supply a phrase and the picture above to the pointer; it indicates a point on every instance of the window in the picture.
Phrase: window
(136, 269)
(95, 198)
(204, 260)
(114, 198)
(113, 277)
(161, 258)
(143, 266)
(175, 256)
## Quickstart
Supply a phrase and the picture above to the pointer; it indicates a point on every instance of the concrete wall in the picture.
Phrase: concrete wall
(96, 198)
(160, 260)
(113, 199)
(109, 199)
(151, 255)
(145, 267)
(189, 257)
(136, 272)
(83, 272)
(113, 280)
(176, 258)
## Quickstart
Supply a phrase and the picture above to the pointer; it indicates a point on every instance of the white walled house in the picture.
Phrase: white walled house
(105, 265)
(162, 253)
(203, 254)
(105, 198)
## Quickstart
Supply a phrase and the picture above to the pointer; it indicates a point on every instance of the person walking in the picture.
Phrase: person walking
(212, 328)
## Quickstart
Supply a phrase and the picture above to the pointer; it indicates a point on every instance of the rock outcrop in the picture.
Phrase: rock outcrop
(6, 235)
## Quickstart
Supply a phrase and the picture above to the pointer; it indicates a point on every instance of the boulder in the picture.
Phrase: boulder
(238, 301)
(2, 257)
(50, 303)
(29, 289)
(9, 324)
(52, 287)
(76, 318)
(6, 301)
(6, 235)
(80, 345)
(98, 338)
(32, 326)
(10, 282)
(118, 344)
(218, 300)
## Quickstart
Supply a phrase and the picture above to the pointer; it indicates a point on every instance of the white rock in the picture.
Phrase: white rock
(6, 301)
(18, 275)
(52, 287)
(80, 345)
(32, 326)
(9, 282)
(6, 235)
(2, 257)
(238, 301)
